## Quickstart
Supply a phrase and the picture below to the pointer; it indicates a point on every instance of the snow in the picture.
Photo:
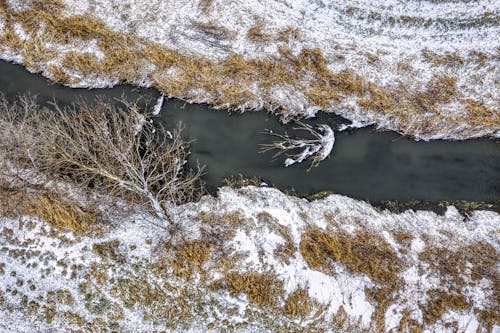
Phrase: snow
(158, 105)
(255, 240)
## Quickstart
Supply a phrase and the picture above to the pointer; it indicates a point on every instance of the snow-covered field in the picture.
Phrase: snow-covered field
(255, 259)
(133, 277)
(428, 69)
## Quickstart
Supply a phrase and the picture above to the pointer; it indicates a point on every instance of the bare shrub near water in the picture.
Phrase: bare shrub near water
(103, 147)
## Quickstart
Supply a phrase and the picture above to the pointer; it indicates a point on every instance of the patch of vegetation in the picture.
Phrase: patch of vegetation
(190, 256)
(439, 302)
(262, 289)
(99, 148)
(300, 304)
(439, 207)
(286, 250)
(240, 181)
(109, 250)
(66, 216)
(361, 253)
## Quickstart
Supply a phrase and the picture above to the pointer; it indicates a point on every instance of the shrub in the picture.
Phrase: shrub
(105, 147)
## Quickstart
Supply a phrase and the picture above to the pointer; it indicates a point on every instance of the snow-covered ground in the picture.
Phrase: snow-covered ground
(399, 46)
(360, 267)
(127, 278)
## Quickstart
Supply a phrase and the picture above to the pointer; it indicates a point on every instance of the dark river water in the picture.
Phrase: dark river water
(365, 164)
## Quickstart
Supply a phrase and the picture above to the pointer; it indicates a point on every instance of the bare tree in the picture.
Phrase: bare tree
(112, 149)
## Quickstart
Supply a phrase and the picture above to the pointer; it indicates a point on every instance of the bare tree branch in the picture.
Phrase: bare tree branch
(317, 149)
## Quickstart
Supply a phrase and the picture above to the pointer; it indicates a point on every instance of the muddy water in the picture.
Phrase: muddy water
(365, 164)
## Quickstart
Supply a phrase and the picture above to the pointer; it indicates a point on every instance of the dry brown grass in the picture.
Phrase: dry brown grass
(262, 289)
(444, 59)
(109, 250)
(408, 325)
(439, 302)
(288, 34)
(215, 30)
(64, 215)
(403, 238)
(205, 5)
(257, 33)
(361, 253)
(451, 264)
(457, 270)
(220, 227)
(381, 298)
(190, 257)
(300, 304)
(488, 318)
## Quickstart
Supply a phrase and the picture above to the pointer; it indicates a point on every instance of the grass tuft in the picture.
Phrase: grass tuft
(439, 302)
(361, 253)
(300, 304)
(64, 215)
(262, 289)
(190, 256)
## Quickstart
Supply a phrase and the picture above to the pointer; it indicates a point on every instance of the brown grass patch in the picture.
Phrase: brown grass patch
(300, 304)
(288, 34)
(403, 238)
(381, 297)
(406, 324)
(205, 5)
(64, 215)
(457, 270)
(220, 227)
(190, 256)
(257, 33)
(109, 250)
(444, 59)
(262, 289)
(214, 30)
(361, 253)
(442, 88)
(488, 318)
(451, 264)
(439, 302)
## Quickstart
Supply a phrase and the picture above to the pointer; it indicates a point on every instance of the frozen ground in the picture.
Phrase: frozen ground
(132, 277)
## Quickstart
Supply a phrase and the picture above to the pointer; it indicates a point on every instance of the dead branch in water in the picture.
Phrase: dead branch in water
(317, 149)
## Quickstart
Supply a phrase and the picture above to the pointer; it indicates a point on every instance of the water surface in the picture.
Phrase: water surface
(365, 164)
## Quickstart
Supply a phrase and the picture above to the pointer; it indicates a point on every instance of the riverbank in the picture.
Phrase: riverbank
(438, 83)
(248, 259)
